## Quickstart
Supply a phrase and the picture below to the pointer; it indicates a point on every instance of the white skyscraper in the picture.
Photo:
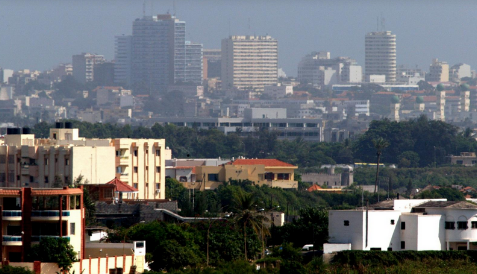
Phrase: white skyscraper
(380, 55)
(123, 58)
(249, 62)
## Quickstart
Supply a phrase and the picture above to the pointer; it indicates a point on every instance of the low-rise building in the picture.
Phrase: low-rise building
(271, 172)
(393, 225)
(465, 159)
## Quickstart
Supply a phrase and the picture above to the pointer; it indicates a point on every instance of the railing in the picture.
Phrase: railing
(8, 238)
(123, 157)
(124, 174)
(49, 213)
(12, 213)
(37, 238)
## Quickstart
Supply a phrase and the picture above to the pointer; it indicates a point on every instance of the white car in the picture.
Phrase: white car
(307, 247)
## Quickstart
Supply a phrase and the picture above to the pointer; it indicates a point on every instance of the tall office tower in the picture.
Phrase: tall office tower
(194, 63)
(158, 53)
(249, 62)
(123, 59)
(212, 62)
(380, 55)
(438, 71)
(83, 66)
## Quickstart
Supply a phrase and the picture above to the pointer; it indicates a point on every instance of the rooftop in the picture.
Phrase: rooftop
(449, 204)
(265, 162)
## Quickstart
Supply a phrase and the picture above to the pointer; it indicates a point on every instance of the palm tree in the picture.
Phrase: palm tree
(247, 216)
(379, 145)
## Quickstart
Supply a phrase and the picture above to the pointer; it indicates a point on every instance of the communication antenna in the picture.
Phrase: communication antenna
(249, 25)
(229, 29)
(174, 7)
(152, 8)
(383, 24)
(144, 8)
(377, 23)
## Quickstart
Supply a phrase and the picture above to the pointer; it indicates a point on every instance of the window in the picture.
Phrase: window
(135, 185)
(346, 223)
(32, 179)
(283, 176)
(158, 186)
(269, 176)
(450, 225)
(67, 180)
(473, 224)
(213, 177)
(183, 179)
(3, 159)
(46, 161)
(135, 169)
(403, 225)
(46, 180)
(403, 245)
(158, 152)
(390, 249)
(135, 152)
(460, 162)
(118, 153)
(72, 229)
(147, 151)
(392, 222)
(158, 169)
(67, 162)
(375, 248)
(462, 225)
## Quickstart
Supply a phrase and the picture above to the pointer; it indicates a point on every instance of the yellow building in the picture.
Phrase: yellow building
(271, 172)
(29, 162)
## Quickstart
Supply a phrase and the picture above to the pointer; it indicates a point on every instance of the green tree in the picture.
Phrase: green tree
(379, 144)
(54, 250)
(7, 269)
(246, 215)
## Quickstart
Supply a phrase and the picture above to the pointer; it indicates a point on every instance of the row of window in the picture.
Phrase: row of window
(462, 225)
(135, 153)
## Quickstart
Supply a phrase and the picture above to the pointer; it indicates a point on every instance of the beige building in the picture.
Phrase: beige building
(249, 62)
(271, 172)
(29, 162)
(438, 71)
(380, 55)
(465, 159)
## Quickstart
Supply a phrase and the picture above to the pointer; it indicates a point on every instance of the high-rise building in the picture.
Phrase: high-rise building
(194, 63)
(156, 55)
(438, 71)
(83, 66)
(249, 62)
(212, 63)
(380, 55)
(123, 59)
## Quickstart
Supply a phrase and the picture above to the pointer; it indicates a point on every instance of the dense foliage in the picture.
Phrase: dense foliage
(54, 250)
(6, 269)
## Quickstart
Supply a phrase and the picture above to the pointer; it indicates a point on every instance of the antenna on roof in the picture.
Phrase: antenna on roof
(152, 8)
(174, 7)
(377, 23)
(383, 24)
(144, 8)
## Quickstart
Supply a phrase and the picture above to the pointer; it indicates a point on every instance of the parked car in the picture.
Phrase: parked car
(307, 247)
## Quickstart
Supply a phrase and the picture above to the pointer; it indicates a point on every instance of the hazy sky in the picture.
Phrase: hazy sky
(40, 34)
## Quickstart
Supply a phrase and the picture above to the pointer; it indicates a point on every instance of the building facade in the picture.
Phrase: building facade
(83, 66)
(26, 161)
(249, 62)
(394, 225)
(438, 71)
(28, 215)
(123, 59)
(380, 55)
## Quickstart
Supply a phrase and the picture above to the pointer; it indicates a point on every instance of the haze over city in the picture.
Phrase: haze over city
(41, 34)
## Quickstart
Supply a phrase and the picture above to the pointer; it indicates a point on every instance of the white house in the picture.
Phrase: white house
(431, 224)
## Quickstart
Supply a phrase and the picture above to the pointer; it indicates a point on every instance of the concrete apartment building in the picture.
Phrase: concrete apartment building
(123, 59)
(212, 63)
(278, 91)
(394, 225)
(319, 69)
(249, 62)
(83, 66)
(380, 55)
(27, 215)
(26, 161)
(194, 63)
(459, 71)
(438, 71)
(465, 159)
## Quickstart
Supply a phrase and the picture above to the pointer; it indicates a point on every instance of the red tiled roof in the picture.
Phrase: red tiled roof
(51, 192)
(121, 186)
(265, 162)
(313, 188)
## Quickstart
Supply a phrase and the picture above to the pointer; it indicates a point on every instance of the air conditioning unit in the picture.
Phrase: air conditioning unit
(158, 191)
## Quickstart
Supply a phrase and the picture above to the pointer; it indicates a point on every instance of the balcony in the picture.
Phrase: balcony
(25, 169)
(49, 214)
(12, 240)
(123, 160)
(37, 238)
(12, 215)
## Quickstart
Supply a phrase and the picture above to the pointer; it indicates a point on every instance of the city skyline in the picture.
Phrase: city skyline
(45, 36)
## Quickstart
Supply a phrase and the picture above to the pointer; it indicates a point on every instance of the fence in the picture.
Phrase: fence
(100, 265)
